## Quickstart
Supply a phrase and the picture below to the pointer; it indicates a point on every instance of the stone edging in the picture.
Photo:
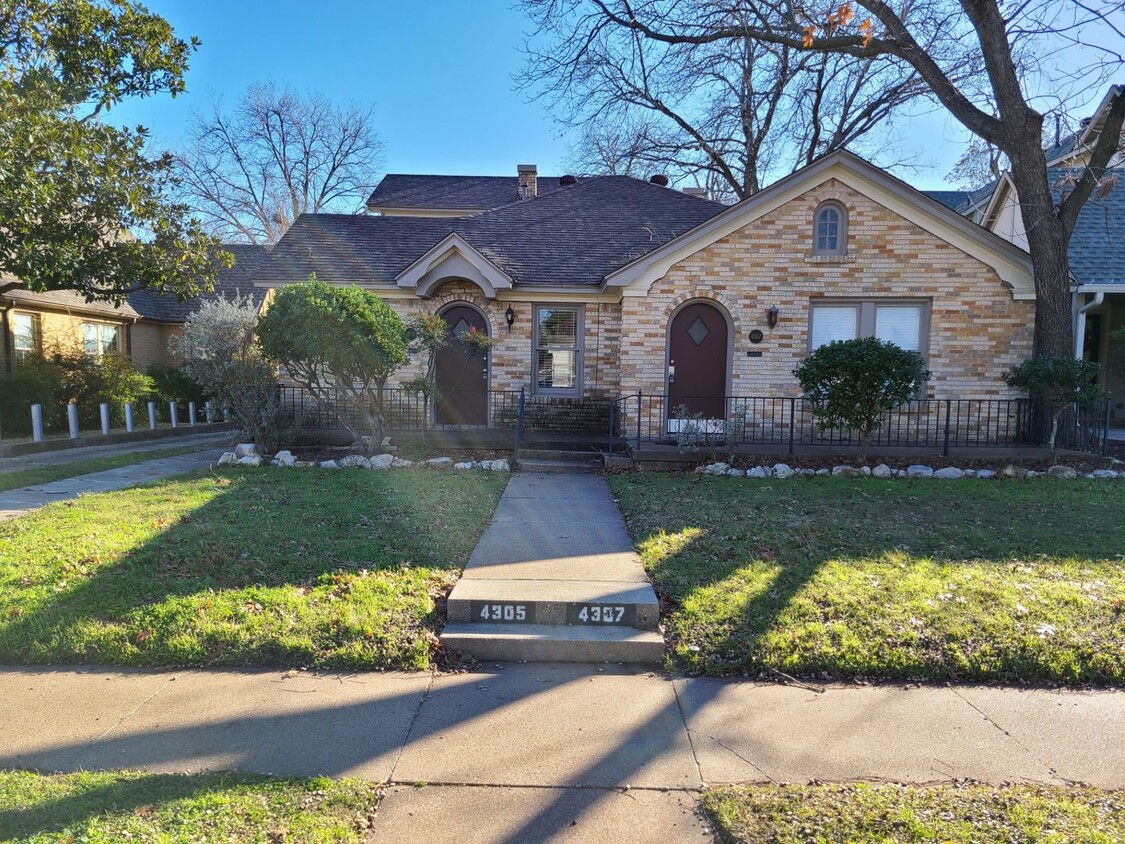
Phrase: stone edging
(782, 470)
(246, 454)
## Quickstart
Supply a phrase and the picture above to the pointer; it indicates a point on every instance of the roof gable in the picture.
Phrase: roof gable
(453, 257)
(1012, 264)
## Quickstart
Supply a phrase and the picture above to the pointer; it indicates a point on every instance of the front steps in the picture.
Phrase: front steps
(555, 578)
(558, 460)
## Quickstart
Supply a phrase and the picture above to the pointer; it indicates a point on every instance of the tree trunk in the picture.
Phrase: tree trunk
(1048, 242)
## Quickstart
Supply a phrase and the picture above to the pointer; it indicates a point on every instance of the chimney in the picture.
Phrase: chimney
(528, 180)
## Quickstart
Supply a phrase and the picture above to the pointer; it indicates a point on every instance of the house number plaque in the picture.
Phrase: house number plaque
(503, 613)
(624, 615)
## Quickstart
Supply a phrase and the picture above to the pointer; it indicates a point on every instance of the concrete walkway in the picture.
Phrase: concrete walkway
(73, 455)
(19, 502)
(539, 752)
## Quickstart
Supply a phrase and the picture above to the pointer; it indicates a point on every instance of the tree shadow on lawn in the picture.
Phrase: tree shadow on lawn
(255, 567)
(827, 575)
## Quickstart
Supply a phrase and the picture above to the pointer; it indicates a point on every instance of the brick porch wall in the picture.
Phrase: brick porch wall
(977, 330)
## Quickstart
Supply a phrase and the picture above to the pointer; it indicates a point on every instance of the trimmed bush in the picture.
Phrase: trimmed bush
(34, 381)
(1057, 383)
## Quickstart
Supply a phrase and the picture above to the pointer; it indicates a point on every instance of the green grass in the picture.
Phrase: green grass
(46, 474)
(968, 813)
(115, 807)
(968, 580)
(258, 567)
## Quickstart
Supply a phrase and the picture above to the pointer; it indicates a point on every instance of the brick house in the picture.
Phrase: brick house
(597, 287)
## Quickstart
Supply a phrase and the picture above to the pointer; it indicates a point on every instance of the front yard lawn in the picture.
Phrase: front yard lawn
(261, 567)
(114, 807)
(968, 813)
(1004, 581)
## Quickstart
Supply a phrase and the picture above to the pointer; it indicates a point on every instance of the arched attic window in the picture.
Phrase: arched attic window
(830, 228)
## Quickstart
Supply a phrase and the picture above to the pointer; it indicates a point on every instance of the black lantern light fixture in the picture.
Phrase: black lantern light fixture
(510, 316)
(771, 316)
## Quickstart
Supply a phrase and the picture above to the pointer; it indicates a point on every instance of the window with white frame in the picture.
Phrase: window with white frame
(904, 322)
(98, 338)
(558, 349)
(830, 229)
(25, 335)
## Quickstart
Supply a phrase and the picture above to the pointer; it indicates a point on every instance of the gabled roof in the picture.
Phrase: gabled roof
(1097, 247)
(464, 193)
(571, 236)
(1089, 131)
(1011, 263)
(235, 281)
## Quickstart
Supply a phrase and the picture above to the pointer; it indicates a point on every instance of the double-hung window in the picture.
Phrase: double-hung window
(904, 322)
(25, 335)
(98, 338)
(558, 349)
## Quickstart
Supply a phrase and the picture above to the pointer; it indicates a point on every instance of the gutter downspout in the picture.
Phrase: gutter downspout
(5, 338)
(1080, 323)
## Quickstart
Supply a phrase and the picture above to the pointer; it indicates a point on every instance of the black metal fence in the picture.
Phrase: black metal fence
(790, 423)
(637, 419)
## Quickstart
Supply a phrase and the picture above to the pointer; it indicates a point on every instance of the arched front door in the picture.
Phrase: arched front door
(697, 361)
(462, 371)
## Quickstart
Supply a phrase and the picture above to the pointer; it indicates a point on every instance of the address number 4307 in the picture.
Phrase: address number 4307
(597, 614)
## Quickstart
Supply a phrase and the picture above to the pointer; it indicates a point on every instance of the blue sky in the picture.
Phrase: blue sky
(438, 72)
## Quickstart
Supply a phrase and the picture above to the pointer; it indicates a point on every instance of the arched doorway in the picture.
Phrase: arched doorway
(698, 357)
(462, 370)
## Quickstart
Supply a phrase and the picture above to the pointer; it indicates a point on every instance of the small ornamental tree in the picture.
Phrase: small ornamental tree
(339, 343)
(852, 383)
(1057, 383)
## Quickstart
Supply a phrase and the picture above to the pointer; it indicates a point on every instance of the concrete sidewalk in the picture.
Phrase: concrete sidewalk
(19, 502)
(73, 455)
(534, 751)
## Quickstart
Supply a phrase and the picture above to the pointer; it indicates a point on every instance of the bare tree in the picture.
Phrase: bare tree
(1023, 47)
(728, 114)
(251, 171)
(980, 164)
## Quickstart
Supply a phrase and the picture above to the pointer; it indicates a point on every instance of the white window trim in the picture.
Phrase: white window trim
(118, 339)
(580, 351)
(19, 354)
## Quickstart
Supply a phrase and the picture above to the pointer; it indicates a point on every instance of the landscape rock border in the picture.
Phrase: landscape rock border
(918, 470)
(246, 454)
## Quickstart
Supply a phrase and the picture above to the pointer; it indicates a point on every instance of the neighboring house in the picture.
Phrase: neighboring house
(34, 323)
(598, 287)
(1097, 247)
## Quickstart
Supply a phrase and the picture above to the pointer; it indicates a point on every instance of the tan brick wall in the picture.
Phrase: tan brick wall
(150, 345)
(977, 330)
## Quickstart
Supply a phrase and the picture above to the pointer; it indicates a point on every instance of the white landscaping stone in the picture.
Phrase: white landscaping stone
(883, 471)
(900, 473)
(283, 459)
(227, 459)
(823, 471)
(807, 473)
(355, 461)
(919, 471)
(716, 469)
(463, 465)
(949, 473)
(249, 460)
(329, 464)
(245, 449)
(758, 472)
(736, 473)
(782, 470)
(439, 462)
(970, 473)
(1033, 474)
(1103, 473)
(305, 464)
(1011, 471)
(847, 472)
(399, 463)
(1065, 473)
(382, 461)
(985, 473)
(499, 465)
(386, 442)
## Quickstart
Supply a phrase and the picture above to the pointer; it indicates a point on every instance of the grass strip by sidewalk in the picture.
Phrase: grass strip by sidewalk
(1004, 581)
(56, 472)
(244, 567)
(967, 813)
(124, 806)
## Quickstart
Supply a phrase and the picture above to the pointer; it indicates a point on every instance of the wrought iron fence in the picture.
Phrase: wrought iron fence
(790, 423)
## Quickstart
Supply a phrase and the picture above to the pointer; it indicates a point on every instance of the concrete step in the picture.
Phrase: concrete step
(553, 643)
(536, 464)
(576, 455)
(592, 603)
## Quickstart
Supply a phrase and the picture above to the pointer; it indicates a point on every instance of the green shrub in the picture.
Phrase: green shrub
(88, 381)
(852, 383)
(172, 383)
(1057, 383)
(34, 381)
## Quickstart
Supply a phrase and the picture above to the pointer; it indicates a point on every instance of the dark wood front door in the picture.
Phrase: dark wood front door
(697, 361)
(462, 371)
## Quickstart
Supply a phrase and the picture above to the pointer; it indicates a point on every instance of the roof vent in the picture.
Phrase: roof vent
(699, 193)
(659, 179)
(568, 180)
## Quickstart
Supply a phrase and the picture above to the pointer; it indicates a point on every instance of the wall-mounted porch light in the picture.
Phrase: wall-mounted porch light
(771, 316)
(510, 316)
